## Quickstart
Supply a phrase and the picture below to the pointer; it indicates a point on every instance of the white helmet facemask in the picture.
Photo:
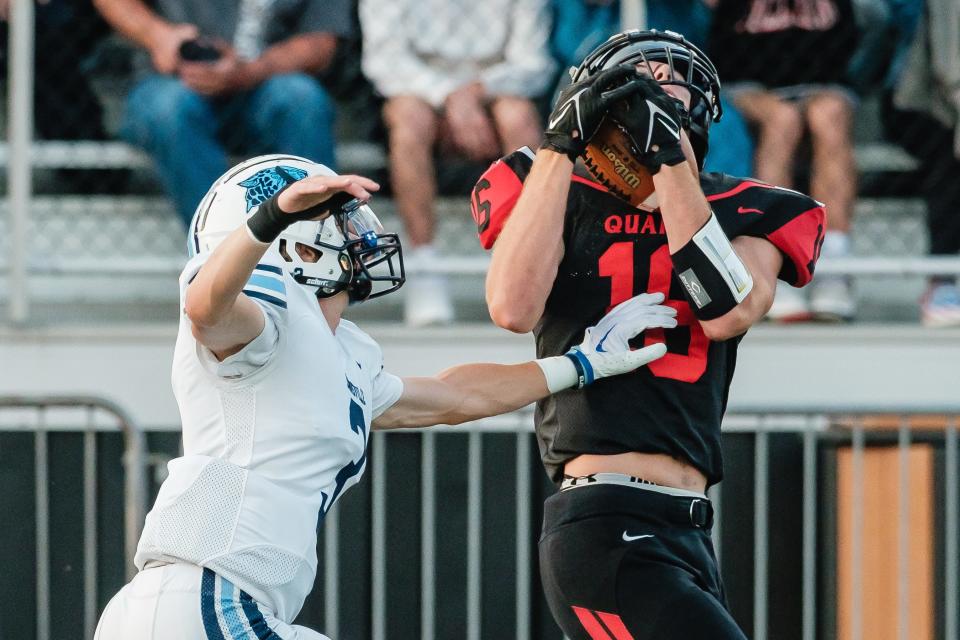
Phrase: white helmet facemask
(347, 251)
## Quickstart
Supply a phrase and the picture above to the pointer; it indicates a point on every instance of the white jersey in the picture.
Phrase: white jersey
(272, 437)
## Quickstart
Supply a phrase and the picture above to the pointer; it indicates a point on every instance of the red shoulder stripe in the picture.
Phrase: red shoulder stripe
(495, 195)
(743, 186)
(493, 199)
(588, 182)
(800, 240)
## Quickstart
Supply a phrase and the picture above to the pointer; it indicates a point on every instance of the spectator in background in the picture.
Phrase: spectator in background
(581, 25)
(458, 75)
(246, 84)
(784, 64)
(921, 111)
(66, 34)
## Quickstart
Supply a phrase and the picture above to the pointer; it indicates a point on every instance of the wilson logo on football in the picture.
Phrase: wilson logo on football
(610, 159)
(622, 170)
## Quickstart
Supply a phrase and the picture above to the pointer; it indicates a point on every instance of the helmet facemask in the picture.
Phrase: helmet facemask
(352, 253)
(689, 68)
(377, 256)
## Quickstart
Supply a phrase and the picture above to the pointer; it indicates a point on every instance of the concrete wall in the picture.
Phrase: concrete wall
(779, 367)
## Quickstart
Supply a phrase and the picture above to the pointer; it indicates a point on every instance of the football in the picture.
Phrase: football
(610, 160)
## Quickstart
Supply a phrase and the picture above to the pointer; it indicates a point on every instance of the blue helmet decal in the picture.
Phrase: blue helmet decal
(262, 185)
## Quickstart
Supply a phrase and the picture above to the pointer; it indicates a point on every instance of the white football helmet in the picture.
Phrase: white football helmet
(352, 252)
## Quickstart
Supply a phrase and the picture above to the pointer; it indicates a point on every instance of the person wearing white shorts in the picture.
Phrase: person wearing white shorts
(182, 600)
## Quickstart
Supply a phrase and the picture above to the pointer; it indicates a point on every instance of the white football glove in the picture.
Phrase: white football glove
(605, 351)
(626, 320)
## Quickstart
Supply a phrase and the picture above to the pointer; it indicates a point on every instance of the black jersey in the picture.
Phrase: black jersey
(745, 35)
(614, 251)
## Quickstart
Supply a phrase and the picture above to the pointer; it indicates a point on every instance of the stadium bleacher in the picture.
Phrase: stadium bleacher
(146, 243)
(102, 323)
(140, 230)
(144, 237)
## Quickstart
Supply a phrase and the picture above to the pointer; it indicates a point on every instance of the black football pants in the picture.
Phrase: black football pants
(623, 563)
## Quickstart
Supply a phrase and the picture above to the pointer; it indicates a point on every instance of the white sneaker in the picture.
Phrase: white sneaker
(831, 299)
(427, 300)
(426, 295)
(789, 304)
(940, 306)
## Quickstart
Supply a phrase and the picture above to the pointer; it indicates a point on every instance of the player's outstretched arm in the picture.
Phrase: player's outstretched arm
(530, 247)
(222, 319)
(472, 391)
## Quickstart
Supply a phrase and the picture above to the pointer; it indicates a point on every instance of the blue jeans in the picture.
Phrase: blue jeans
(189, 135)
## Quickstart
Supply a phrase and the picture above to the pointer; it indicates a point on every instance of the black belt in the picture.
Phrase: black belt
(615, 498)
(700, 513)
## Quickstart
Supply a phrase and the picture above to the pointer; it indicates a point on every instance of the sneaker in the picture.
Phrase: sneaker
(940, 305)
(426, 295)
(789, 305)
(427, 300)
(831, 299)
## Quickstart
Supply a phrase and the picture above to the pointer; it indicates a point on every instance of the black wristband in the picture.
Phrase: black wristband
(269, 221)
(569, 152)
(585, 374)
(703, 286)
(714, 278)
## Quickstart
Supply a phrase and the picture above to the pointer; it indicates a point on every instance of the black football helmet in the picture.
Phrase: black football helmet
(685, 60)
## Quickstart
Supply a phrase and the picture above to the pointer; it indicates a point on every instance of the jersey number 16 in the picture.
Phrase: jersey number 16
(617, 263)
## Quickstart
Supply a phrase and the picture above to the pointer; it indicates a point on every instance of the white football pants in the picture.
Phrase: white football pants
(187, 602)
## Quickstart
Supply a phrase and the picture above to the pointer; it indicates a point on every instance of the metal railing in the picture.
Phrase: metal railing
(19, 132)
(520, 424)
(867, 266)
(846, 425)
(89, 416)
(839, 427)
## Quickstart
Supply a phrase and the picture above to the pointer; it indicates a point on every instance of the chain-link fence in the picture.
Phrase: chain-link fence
(129, 123)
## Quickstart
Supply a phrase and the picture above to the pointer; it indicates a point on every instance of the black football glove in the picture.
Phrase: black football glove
(653, 120)
(582, 106)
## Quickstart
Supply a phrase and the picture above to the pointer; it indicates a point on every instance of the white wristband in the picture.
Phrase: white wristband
(560, 373)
